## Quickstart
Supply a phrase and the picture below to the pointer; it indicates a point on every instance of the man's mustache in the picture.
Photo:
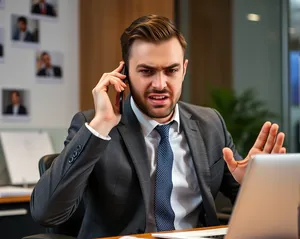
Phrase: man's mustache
(154, 91)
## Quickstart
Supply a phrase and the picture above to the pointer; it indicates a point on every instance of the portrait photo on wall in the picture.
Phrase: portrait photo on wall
(24, 31)
(44, 9)
(2, 3)
(1, 44)
(15, 103)
(49, 66)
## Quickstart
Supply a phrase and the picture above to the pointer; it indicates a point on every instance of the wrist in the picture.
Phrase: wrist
(101, 126)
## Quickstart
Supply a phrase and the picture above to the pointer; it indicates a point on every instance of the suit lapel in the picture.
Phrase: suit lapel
(197, 148)
(130, 131)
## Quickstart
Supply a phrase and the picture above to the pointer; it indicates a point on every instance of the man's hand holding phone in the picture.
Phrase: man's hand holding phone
(107, 115)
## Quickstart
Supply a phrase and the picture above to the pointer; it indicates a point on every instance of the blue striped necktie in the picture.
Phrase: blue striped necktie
(164, 214)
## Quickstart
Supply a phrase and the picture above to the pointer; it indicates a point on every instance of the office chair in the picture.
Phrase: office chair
(69, 229)
(224, 209)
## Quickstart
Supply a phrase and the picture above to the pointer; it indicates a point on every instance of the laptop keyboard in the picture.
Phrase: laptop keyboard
(216, 236)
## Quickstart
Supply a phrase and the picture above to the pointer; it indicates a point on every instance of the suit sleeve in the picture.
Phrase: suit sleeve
(60, 189)
(229, 186)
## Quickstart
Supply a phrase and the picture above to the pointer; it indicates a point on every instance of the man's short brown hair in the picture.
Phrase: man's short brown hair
(150, 28)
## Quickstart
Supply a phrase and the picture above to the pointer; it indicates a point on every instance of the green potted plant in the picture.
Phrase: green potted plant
(244, 115)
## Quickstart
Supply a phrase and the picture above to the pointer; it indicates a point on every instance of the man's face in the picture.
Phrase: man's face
(15, 99)
(22, 26)
(156, 72)
(46, 60)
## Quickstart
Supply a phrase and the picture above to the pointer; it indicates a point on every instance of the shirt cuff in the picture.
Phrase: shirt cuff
(94, 132)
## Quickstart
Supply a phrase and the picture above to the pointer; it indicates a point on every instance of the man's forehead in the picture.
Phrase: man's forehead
(161, 54)
(139, 45)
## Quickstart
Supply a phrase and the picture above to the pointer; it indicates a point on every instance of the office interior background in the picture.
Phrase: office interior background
(232, 44)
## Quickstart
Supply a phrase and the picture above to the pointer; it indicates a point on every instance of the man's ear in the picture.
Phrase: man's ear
(185, 64)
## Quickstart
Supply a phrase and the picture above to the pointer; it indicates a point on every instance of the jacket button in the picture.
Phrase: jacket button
(71, 160)
(75, 153)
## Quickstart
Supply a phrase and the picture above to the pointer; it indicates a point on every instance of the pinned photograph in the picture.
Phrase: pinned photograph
(2, 3)
(1, 45)
(44, 8)
(49, 66)
(15, 103)
(24, 31)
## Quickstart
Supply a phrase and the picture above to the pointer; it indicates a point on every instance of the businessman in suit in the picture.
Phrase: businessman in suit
(15, 108)
(43, 8)
(22, 33)
(160, 164)
(49, 70)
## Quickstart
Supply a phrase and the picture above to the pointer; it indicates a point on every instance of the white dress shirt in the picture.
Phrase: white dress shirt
(49, 71)
(15, 109)
(42, 7)
(22, 36)
(185, 196)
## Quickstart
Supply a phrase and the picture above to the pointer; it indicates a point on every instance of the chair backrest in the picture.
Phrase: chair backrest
(73, 225)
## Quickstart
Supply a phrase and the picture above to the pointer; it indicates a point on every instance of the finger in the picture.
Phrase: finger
(271, 138)
(120, 67)
(121, 81)
(282, 150)
(117, 74)
(228, 157)
(118, 84)
(263, 135)
(279, 143)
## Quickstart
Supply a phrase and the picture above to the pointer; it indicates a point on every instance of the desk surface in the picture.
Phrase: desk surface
(149, 236)
(14, 199)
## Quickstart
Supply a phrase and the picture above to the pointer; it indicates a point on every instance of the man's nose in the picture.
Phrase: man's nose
(160, 81)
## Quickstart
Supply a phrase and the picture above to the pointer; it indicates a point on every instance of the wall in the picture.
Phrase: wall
(257, 51)
(101, 24)
(51, 105)
(210, 42)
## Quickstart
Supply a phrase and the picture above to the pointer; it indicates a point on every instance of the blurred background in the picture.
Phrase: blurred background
(243, 59)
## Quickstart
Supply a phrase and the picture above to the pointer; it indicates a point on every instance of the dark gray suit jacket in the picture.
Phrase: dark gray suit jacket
(114, 176)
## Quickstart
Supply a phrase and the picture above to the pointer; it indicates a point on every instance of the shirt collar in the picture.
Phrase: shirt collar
(149, 124)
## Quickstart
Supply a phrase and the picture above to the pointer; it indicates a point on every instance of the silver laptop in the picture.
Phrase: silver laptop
(267, 203)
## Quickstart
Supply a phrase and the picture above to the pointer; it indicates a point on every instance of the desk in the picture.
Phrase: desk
(15, 218)
(14, 199)
(149, 236)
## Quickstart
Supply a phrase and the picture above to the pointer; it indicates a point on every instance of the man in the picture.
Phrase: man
(22, 34)
(49, 70)
(43, 8)
(15, 108)
(156, 167)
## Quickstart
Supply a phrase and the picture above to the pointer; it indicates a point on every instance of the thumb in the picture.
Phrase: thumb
(228, 157)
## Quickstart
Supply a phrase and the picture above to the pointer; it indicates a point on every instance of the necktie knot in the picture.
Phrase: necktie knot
(163, 130)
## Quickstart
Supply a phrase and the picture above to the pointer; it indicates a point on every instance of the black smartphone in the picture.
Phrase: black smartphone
(122, 98)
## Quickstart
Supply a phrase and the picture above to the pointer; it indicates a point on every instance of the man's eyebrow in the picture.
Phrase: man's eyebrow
(152, 67)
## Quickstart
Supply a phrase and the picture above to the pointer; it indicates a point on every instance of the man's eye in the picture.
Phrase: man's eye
(146, 71)
(172, 70)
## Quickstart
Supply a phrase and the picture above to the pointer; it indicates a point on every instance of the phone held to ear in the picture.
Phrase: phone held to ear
(122, 98)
